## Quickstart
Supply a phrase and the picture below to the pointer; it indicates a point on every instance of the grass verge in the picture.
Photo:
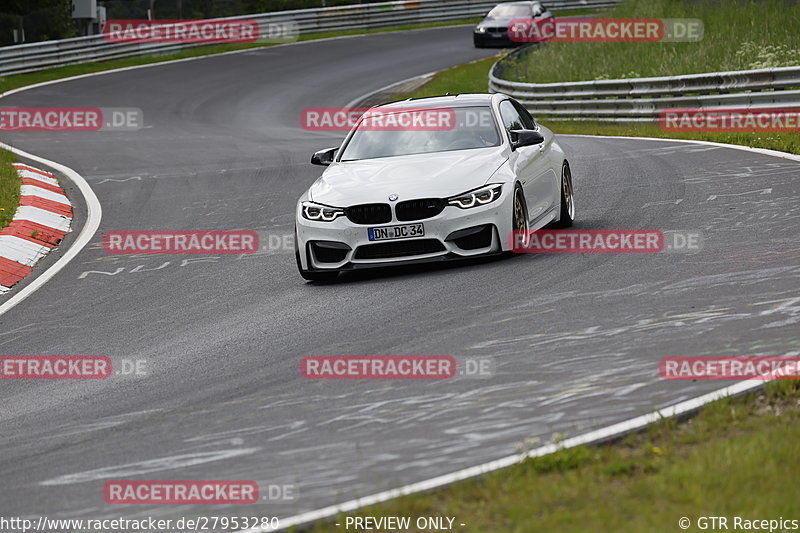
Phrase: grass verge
(736, 457)
(738, 35)
(472, 77)
(10, 183)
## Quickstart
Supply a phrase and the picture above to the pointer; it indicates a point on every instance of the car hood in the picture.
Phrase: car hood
(437, 175)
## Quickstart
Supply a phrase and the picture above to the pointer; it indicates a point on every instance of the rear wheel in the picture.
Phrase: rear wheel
(567, 216)
(311, 275)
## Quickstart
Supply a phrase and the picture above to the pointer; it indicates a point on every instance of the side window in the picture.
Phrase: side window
(538, 9)
(527, 119)
(510, 116)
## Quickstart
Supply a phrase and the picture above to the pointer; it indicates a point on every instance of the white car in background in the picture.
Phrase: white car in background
(401, 190)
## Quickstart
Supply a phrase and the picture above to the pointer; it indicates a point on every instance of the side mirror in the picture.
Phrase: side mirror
(520, 138)
(324, 157)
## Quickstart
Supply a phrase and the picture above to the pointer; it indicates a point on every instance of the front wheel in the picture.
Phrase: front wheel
(567, 214)
(519, 219)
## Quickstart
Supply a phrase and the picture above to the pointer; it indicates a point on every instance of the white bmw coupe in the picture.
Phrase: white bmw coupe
(431, 179)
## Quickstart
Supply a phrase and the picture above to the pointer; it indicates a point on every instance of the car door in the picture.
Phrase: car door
(529, 164)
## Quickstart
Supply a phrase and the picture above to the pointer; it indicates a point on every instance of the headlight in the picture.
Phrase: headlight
(480, 29)
(485, 195)
(321, 213)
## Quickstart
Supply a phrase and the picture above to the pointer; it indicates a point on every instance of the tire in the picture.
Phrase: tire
(519, 216)
(567, 214)
(311, 275)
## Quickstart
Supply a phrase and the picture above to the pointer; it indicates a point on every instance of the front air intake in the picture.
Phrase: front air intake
(406, 248)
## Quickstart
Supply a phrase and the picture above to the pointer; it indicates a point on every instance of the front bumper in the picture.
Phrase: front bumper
(454, 233)
(493, 39)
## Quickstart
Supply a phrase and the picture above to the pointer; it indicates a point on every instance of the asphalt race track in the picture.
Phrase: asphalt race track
(576, 338)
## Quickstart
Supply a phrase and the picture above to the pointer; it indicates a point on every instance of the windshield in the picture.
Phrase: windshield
(392, 132)
(509, 11)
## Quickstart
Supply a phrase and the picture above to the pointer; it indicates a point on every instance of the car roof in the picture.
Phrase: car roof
(456, 100)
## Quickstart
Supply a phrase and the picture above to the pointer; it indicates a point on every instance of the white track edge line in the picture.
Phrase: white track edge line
(596, 436)
(208, 56)
(762, 151)
(88, 232)
(93, 216)
(93, 204)
(352, 103)
(432, 73)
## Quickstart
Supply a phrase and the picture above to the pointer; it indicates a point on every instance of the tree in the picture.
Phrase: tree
(41, 20)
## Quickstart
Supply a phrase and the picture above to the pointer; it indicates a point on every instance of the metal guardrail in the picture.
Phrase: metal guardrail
(642, 99)
(23, 58)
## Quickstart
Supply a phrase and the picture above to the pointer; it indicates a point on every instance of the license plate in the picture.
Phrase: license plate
(388, 233)
(497, 35)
